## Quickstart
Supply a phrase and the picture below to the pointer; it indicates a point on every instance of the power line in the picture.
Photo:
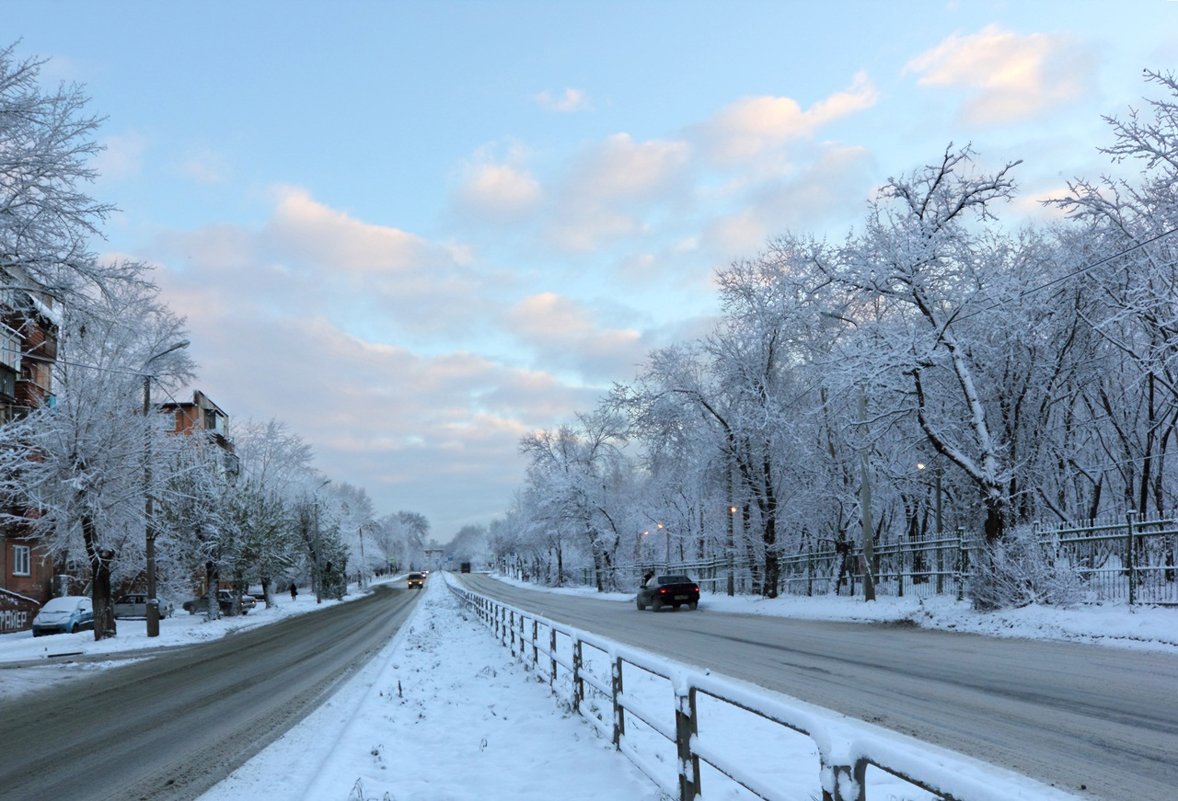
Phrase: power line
(1074, 273)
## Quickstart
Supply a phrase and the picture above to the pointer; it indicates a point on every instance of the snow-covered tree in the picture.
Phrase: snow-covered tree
(77, 473)
(1130, 274)
(47, 220)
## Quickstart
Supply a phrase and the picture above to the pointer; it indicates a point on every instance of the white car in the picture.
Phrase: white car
(134, 604)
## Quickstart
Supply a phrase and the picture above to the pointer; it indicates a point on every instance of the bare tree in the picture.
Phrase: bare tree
(47, 220)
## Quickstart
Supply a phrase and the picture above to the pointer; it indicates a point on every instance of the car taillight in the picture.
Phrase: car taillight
(663, 591)
(695, 588)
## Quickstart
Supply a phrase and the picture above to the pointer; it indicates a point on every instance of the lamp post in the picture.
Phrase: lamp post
(360, 531)
(318, 547)
(153, 604)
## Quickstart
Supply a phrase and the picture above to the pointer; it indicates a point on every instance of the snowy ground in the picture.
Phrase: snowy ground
(444, 713)
(1115, 624)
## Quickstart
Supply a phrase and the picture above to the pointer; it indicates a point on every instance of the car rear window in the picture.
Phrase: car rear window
(674, 580)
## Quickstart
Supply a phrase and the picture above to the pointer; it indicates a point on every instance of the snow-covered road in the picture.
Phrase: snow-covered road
(444, 712)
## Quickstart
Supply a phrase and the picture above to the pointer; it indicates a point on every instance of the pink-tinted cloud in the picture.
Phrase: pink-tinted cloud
(1007, 77)
(566, 335)
(317, 233)
(749, 127)
(499, 191)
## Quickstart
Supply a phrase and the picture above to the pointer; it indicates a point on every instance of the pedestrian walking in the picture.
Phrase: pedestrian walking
(294, 591)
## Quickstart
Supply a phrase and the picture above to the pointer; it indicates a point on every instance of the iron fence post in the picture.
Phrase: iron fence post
(578, 682)
(1130, 569)
(619, 712)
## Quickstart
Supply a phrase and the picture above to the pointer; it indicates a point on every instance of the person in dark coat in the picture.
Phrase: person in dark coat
(294, 591)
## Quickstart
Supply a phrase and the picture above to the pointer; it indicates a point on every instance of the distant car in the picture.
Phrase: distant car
(134, 604)
(672, 590)
(224, 601)
(464, 567)
(416, 580)
(248, 602)
(64, 615)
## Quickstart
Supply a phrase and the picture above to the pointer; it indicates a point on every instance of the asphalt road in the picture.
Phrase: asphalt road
(171, 726)
(1098, 722)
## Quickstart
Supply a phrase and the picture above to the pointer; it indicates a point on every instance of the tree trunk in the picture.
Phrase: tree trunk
(213, 576)
(769, 530)
(100, 559)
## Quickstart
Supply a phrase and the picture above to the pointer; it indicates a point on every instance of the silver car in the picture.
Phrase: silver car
(134, 604)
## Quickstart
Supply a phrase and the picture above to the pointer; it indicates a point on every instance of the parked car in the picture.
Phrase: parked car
(66, 614)
(416, 580)
(224, 601)
(672, 590)
(134, 604)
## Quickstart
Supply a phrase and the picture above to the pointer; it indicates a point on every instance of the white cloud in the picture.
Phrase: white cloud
(566, 334)
(612, 187)
(205, 167)
(1007, 77)
(567, 101)
(121, 157)
(499, 191)
(620, 168)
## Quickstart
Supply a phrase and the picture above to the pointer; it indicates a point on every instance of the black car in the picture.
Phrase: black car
(672, 590)
(224, 600)
(416, 580)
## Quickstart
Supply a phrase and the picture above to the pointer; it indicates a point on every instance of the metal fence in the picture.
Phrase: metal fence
(1134, 560)
(604, 682)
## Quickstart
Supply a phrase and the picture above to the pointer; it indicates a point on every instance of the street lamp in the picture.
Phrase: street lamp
(153, 604)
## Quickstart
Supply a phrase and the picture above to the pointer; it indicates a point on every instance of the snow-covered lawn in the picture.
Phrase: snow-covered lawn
(444, 712)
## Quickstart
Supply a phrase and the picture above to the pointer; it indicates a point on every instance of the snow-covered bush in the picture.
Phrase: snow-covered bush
(1022, 569)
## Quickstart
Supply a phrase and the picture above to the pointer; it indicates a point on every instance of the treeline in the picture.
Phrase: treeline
(931, 355)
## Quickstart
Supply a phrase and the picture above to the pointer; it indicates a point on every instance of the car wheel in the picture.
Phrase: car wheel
(693, 605)
(641, 606)
(656, 605)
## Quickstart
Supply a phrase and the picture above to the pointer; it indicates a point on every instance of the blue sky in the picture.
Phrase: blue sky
(415, 231)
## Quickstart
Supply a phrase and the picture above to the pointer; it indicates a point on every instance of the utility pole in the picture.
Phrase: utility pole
(153, 604)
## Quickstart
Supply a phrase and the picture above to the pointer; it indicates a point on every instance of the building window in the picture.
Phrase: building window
(10, 349)
(21, 560)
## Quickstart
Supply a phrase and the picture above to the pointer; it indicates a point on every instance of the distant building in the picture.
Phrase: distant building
(204, 416)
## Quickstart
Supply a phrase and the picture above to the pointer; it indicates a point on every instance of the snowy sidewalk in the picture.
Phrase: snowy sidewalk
(442, 713)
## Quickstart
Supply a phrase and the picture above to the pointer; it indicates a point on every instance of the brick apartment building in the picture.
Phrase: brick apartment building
(28, 349)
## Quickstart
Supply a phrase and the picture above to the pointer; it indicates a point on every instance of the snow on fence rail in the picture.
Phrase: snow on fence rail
(593, 670)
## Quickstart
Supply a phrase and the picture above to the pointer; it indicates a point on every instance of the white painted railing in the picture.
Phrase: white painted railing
(558, 653)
